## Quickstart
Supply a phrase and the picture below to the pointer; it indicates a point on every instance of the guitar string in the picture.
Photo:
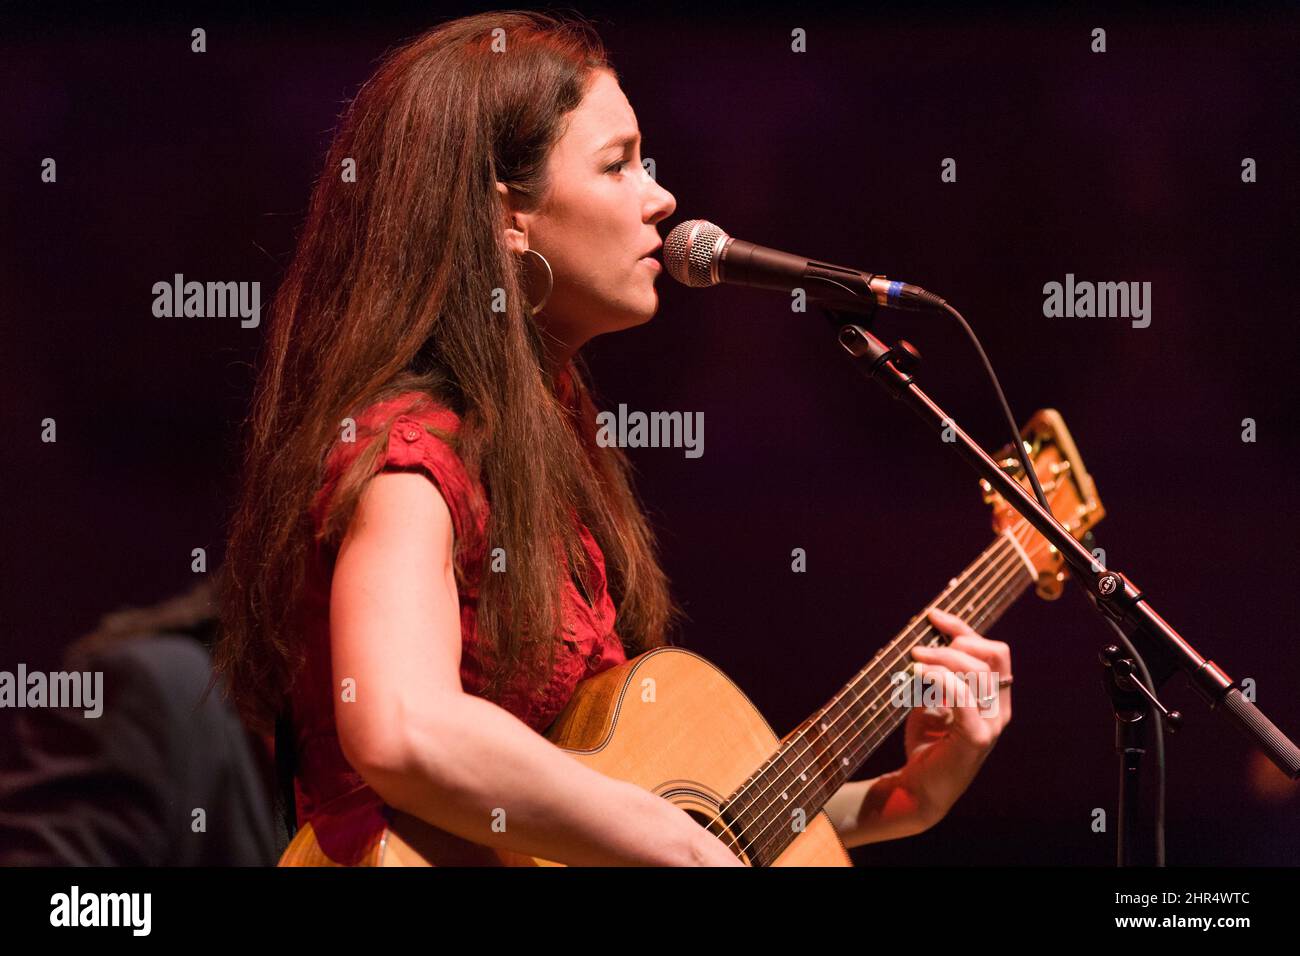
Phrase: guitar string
(997, 607)
(761, 840)
(983, 564)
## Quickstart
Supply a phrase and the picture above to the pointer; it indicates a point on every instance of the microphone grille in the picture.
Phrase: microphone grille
(691, 252)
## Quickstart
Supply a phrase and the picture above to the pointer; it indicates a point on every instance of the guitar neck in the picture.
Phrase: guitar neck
(824, 752)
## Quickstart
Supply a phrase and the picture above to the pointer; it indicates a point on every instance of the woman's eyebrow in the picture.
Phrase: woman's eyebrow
(620, 139)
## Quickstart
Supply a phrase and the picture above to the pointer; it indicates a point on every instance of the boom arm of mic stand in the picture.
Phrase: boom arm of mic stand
(1112, 592)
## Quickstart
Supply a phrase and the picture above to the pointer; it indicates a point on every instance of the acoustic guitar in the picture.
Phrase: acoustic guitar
(672, 723)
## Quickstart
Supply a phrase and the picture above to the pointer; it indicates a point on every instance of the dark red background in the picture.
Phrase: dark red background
(1116, 166)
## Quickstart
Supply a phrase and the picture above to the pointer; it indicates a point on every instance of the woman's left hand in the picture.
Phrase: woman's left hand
(946, 745)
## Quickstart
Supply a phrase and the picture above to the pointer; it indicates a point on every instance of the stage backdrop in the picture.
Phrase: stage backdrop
(980, 156)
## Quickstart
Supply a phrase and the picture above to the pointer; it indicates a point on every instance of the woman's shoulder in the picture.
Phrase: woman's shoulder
(404, 424)
(410, 431)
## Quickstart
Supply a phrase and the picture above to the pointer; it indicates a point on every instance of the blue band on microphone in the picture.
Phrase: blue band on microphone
(894, 289)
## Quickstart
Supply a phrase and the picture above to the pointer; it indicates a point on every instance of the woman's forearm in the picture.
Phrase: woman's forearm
(907, 801)
(478, 772)
(869, 811)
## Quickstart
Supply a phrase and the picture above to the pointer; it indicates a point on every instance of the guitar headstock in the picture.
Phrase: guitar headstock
(1066, 484)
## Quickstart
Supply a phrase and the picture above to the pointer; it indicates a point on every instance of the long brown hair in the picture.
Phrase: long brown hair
(390, 290)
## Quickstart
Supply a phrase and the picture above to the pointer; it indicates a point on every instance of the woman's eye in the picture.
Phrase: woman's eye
(617, 166)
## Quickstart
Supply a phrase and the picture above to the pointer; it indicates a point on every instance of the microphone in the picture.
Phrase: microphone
(699, 254)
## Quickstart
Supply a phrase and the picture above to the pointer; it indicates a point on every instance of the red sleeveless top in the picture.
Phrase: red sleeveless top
(346, 814)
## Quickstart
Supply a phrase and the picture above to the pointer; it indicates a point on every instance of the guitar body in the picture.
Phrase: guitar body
(668, 721)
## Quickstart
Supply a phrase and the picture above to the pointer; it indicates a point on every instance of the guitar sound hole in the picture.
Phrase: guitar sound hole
(704, 819)
(710, 821)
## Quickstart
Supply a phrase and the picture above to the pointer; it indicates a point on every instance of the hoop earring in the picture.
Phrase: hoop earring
(535, 276)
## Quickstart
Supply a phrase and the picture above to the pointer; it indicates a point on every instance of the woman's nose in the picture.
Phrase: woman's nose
(664, 204)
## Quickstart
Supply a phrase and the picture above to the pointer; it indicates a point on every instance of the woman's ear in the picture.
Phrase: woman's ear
(516, 238)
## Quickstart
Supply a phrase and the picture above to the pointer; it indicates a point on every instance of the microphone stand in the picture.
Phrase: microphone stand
(1111, 592)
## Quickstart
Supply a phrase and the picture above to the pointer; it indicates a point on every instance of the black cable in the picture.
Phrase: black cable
(1017, 443)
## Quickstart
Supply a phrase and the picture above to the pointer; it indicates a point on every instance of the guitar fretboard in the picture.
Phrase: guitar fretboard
(770, 809)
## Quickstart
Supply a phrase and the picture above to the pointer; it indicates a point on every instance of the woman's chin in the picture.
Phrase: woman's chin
(631, 318)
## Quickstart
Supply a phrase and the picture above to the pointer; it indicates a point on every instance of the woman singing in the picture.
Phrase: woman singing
(431, 550)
